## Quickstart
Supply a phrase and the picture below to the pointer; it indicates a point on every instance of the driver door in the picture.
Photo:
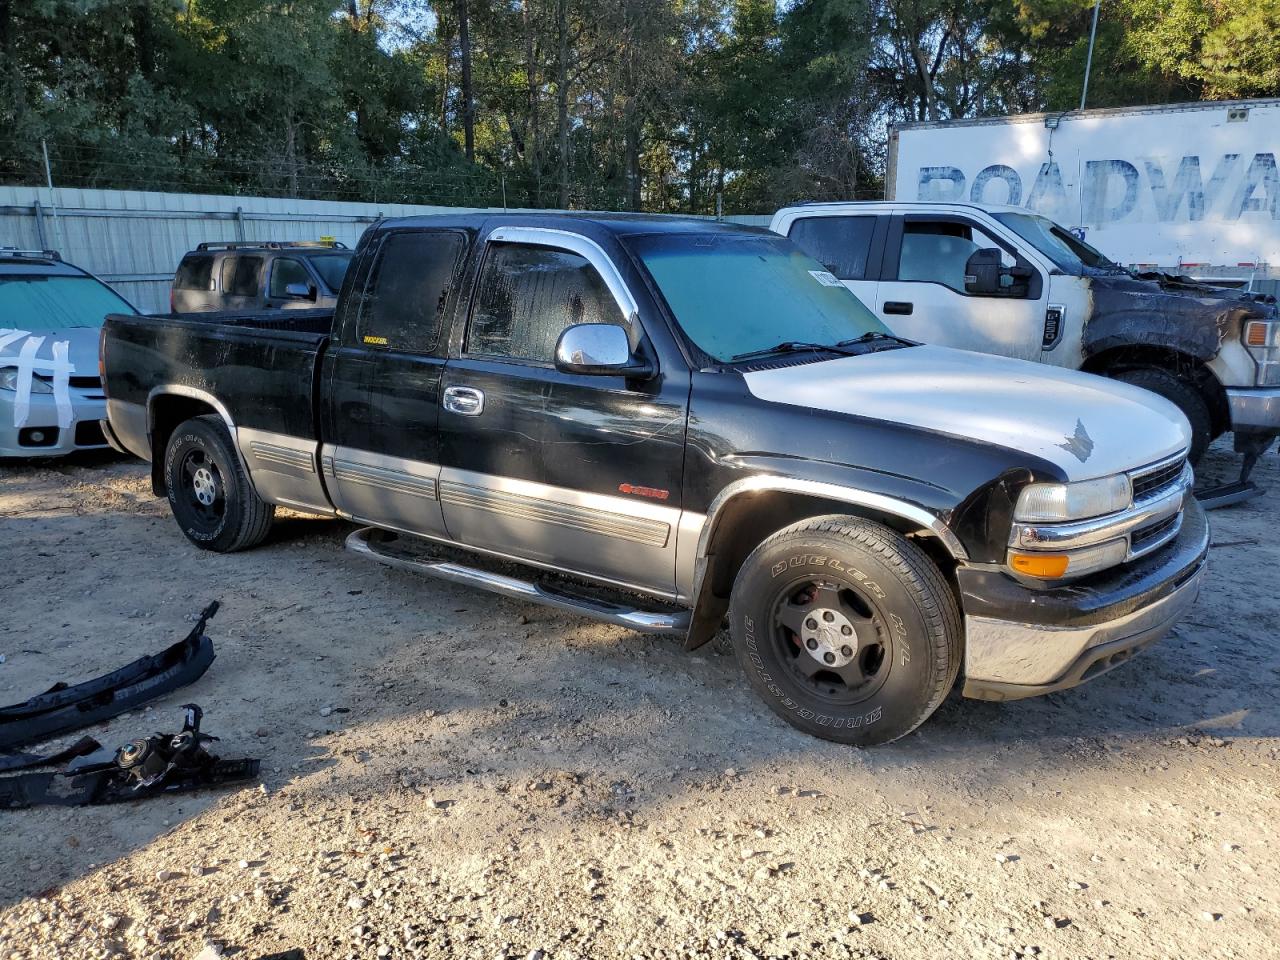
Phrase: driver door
(922, 292)
(566, 470)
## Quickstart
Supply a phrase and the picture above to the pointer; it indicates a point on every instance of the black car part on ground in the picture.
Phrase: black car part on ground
(145, 767)
(25, 761)
(62, 707)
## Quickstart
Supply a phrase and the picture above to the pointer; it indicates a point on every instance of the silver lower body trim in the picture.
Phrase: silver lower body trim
(389, 491)
(283, 469)
(365, 542)
(587, 516)
(1028, 654)
(606, 537)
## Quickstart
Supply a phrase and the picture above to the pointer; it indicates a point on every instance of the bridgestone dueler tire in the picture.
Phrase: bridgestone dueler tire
(903, 588)
(1182, 395)
(245, 519)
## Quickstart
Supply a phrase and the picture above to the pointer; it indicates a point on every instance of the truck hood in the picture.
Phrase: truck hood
(82, 347)
(1167, 312)
(1085, 425)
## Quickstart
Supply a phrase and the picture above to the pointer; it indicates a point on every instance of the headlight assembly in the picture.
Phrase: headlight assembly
(1056, 502)
(9, 381)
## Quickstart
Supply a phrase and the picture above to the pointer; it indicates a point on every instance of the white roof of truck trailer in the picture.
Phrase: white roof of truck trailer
(1190, 106)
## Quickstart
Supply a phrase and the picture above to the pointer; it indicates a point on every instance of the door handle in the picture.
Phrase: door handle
(899, 308)
(464, 401)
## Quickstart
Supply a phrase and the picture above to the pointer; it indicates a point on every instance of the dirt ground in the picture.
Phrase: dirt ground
(511, 781)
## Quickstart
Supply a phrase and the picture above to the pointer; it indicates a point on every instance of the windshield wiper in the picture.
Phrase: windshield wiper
(794, 346)
(876, 335)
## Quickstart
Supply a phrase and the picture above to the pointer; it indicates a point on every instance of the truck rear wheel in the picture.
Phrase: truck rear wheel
(846, 629)
(1182, 395)
(209, 493)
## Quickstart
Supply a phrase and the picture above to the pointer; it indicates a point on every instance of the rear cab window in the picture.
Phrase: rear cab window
(407, 290)
(841, 244)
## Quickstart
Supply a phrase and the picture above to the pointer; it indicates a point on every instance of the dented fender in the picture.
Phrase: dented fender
(1185, 318)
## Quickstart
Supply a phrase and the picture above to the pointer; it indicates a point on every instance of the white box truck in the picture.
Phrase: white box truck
(1188, 188)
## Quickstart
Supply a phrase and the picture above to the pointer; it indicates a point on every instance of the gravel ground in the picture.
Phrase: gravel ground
(510, 781)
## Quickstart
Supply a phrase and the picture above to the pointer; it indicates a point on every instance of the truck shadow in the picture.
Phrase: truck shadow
(353, 682)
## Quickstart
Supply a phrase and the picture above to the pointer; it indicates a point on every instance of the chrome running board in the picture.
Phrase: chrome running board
(365, 542)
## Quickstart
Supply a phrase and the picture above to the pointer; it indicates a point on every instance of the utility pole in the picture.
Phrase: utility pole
(53, 204)
(1088, 63)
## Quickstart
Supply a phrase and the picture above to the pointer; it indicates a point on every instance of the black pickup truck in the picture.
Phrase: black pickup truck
(667, 422)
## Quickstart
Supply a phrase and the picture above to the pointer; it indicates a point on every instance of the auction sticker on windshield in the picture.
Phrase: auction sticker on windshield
(826, 278)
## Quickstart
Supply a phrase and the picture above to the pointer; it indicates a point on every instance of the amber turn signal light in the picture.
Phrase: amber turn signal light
(1047, 566)
(1255, 334)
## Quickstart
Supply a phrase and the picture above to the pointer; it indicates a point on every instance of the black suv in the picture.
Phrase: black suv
(265, 275)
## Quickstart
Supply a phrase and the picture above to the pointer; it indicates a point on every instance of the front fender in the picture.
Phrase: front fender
(1140, 313)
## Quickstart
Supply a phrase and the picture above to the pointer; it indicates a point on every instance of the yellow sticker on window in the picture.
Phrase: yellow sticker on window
(376, 341)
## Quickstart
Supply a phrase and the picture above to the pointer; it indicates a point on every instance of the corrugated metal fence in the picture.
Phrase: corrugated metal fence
(134, 240)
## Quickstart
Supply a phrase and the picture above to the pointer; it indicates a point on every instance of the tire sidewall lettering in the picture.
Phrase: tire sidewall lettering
(901, 619)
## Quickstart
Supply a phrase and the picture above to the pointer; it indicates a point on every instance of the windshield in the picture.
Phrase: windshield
(332, 267)
(735, 294)
(36, 303)
(1066, 250)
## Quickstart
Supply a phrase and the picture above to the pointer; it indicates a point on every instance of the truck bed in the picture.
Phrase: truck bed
(261, 368)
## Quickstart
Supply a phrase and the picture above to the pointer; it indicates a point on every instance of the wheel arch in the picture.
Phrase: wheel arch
(749, 511)
(171, 405)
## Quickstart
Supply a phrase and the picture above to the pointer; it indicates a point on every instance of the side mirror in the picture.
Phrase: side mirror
(983, 272)
(303, 291)
(599, 349)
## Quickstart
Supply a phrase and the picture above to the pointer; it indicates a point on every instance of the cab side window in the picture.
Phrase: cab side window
(529, 295)
(285, 271)
(407, 292)
(937, 250)
(841, 244)
(240, 276)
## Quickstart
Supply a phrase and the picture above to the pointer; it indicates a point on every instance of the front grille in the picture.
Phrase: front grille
(80, 383)
(1150, 484)
(1144, 537)
(89, 434)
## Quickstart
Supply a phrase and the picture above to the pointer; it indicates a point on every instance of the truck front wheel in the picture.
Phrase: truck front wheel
(1183, 395)
(209, 493)
(846, 629)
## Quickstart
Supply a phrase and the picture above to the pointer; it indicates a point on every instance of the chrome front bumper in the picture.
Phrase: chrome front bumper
(1254, 408)
(1020, 643)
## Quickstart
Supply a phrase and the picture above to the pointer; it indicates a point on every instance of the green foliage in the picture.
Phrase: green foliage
(670, 105)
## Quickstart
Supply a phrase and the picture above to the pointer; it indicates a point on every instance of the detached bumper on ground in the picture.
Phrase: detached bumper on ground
(1023, 642)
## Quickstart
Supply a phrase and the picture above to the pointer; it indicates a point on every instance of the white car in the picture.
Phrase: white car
(51, 314)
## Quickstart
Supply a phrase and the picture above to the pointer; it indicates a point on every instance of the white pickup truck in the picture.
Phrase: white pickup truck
(1004, 280)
